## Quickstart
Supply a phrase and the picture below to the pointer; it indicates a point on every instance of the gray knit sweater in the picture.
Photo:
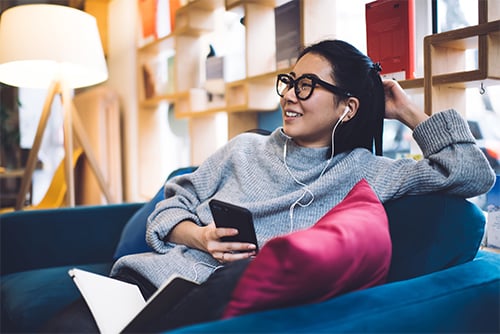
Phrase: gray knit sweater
(249, 171)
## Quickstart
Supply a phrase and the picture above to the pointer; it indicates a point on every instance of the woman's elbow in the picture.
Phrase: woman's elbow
(480, 180)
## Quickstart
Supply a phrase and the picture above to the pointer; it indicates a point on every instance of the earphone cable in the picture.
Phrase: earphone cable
(302, 184)
(214, 268)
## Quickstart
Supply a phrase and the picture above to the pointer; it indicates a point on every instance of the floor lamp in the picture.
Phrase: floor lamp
(59, 48)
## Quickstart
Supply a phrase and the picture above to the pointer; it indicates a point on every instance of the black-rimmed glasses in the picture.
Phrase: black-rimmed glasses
(304, 86)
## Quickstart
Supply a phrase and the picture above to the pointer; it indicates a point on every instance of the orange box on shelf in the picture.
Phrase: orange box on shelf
(147, 10)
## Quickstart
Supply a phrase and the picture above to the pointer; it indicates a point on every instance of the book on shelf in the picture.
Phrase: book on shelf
(148, 79)
(119, 306)
(215, 76)
(390, 34)
(165, 16)
(147, 13)
(157, 18)
(287, 27)
(174, 5)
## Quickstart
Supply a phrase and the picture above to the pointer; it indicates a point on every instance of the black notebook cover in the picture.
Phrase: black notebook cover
(160, 303)
(119, 306)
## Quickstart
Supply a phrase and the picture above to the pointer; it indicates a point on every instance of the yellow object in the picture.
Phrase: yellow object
(55, 195)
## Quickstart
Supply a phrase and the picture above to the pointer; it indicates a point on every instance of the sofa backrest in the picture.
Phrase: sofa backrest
(34, 239)
(428, 232)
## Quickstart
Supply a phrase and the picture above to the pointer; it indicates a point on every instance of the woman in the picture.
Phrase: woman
(333, 104)
(333, 109)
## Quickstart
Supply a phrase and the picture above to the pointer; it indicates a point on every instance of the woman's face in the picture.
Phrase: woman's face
(310, 122)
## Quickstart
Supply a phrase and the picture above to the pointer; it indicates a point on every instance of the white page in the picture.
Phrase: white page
(113, 303)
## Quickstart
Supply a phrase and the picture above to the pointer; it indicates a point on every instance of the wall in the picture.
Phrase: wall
(171, 150)
(121, 67)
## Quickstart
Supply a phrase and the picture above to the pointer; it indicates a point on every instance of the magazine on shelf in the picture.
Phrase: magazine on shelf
(390, 37)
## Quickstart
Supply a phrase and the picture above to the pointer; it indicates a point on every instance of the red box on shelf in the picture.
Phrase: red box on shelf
(390, 34)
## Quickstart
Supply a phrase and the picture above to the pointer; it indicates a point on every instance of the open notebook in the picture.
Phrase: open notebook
(119, 306)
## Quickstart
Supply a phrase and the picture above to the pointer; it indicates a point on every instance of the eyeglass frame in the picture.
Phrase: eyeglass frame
(315, 81)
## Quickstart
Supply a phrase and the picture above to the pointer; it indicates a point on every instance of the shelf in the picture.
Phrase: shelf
(156, 100)
(234, 4)
(197, 17)
(463, 79)
(445, 73)
(458, 38)
(209, 5)
(187, 105)
(194, 19)
(202, 113)
(162, 44)
(253, 94)
(412, 83)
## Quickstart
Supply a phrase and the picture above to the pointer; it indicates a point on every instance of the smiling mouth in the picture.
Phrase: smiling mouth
(292, 114)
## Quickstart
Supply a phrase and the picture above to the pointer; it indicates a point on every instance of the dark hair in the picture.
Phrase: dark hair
(356, 73)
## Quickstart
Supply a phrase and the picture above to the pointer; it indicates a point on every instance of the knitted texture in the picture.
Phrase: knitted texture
(249, 171)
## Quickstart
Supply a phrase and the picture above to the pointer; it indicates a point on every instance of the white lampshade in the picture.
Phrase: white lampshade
(43, 43)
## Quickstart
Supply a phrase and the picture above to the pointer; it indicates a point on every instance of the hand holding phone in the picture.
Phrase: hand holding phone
(233, 216)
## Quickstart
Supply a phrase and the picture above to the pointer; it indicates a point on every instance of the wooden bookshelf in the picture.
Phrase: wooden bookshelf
(445, 74)
(443, 84)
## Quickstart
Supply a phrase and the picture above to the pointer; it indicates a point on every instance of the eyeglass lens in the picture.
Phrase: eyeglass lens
(303, 87)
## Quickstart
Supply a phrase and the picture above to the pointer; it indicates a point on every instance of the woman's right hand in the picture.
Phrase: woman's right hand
(208, 239)
(224, 251)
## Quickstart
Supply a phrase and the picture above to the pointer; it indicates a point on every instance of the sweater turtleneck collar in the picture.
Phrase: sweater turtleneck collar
(298, 157)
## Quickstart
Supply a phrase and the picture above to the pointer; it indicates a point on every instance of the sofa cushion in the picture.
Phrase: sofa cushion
(462, 299)
(30, 298)
(348, 249)
(133, 237)
(432, 232)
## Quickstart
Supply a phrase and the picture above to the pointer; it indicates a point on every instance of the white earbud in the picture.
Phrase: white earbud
(346, 111)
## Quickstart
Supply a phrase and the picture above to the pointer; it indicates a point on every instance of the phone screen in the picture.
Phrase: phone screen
(233, 216)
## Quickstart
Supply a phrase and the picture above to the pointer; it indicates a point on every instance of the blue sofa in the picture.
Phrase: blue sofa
(438, 280)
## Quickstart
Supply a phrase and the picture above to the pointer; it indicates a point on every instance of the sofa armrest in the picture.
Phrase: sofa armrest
(56, 237)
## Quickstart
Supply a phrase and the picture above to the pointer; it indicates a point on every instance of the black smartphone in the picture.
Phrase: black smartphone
(233, 216)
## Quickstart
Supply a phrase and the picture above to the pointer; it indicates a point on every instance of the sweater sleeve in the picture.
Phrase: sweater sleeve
(452, 162)
(183, 196)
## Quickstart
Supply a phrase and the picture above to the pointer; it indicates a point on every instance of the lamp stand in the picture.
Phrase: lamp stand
(71, 122)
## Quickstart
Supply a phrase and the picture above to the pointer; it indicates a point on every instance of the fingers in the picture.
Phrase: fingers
(388, 85)
(392, 88)
(396, 100)
(225, 257)
(231, 247)
(225, 232)
(225, 251)
(231, 251)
